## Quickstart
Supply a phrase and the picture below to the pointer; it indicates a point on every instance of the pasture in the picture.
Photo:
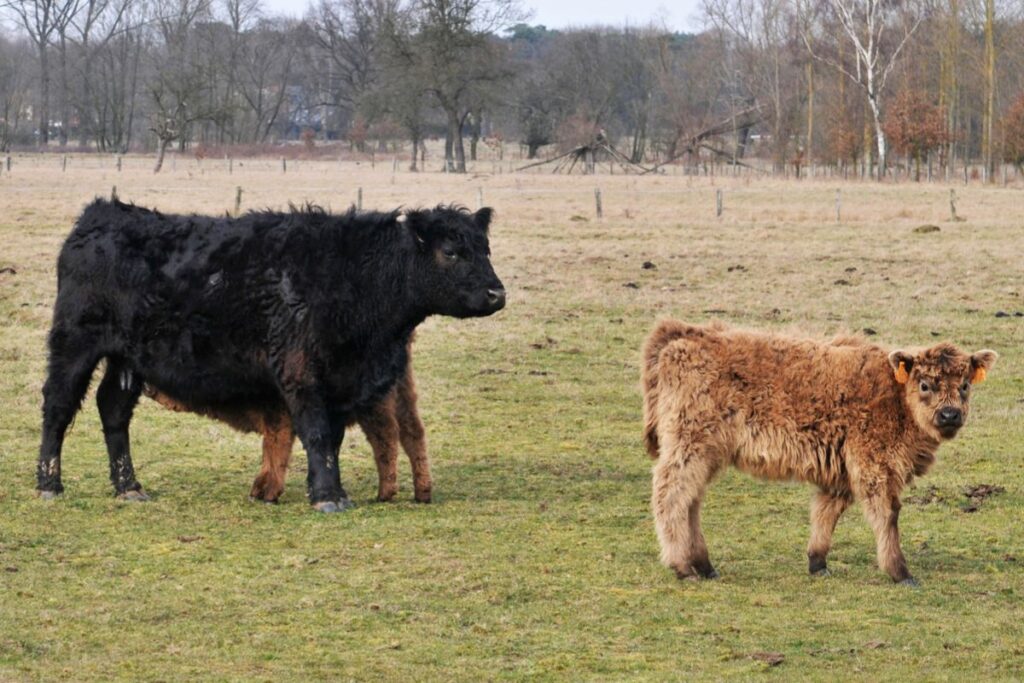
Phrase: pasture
(537, 559)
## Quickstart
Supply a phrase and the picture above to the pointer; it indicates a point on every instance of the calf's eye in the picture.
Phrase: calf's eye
(924, 387)
(450, 254)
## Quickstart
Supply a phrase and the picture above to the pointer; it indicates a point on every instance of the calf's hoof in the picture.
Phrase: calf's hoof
(48, 495)
(386, 496)
(327, 506)
(823, 571)
(422, 497)
(135, 496)
(265, 501)
(910, 582)
(697, 573)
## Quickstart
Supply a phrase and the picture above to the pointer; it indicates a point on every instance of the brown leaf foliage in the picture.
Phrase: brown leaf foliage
(914, 125)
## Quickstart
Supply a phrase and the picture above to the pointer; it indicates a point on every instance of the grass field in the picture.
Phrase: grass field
(537, 559)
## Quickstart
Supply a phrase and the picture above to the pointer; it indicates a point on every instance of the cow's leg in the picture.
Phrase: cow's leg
(278, 441)
(72, 360)
(381, 430)
(826, 509)
(883, 512)
(413, 436)
(680, 479)
(116, 398)
(321, 434)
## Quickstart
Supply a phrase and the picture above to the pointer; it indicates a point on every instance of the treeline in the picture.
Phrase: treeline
(865, 83)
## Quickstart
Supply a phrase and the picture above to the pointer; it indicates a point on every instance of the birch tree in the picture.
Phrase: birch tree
(876, 31)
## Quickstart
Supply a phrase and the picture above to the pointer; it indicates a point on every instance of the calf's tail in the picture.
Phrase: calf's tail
(664, 333)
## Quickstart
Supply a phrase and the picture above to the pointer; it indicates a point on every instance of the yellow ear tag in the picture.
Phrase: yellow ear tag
(901, 374)
(979, 375)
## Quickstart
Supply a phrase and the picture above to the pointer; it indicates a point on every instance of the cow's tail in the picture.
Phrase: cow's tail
(663, 334)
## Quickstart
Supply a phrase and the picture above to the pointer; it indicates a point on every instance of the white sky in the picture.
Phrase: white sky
(677, 14)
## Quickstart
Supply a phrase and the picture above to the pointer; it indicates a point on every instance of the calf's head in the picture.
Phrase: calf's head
(452, 273)
(938, 382)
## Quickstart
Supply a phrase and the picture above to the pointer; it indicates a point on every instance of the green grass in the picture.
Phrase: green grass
(537, 559)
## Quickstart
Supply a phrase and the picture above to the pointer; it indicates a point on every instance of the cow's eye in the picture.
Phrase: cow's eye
(965, 387)
(450, 254)
(925, 388)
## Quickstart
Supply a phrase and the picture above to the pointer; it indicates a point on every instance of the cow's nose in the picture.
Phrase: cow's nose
(950, 416)
(496, 297)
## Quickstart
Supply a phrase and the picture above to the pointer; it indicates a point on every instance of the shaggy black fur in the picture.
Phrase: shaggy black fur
(303, 311)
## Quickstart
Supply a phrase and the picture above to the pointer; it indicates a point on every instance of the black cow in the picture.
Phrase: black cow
(305, 312)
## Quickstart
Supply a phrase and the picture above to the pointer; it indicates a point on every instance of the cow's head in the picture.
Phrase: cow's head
(937, 382)
(452, 274)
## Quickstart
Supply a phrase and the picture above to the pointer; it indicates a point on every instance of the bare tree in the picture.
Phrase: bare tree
(265, 59)
(451, 48)
(42, 19)
(877, 32)
(178, 87)
(14, 88)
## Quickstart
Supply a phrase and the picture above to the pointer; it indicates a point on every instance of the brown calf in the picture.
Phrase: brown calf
(392, 421)
(847, 416)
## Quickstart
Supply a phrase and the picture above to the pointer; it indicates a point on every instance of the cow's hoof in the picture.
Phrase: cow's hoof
(910, 582)
(386, 497)
(48, 495)
(422, 498)
(694, 574)
(824, 571)
(333, 506)
(135, 496)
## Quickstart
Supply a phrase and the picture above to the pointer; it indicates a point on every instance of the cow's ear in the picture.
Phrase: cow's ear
(981, 363)
(901, 363)
(417, 227)
(483, 217)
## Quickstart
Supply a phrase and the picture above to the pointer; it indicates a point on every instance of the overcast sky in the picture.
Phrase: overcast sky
(676, 14)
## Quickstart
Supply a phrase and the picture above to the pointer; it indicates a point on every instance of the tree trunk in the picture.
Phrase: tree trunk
(876, 119)
(44, 96)
(161, 150)
(415, 150)
(65, 113)
(810, 111)
(475, 128)
(990, 90)
(455, 153)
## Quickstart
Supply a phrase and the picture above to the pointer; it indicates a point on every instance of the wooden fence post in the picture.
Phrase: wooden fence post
(597, 201)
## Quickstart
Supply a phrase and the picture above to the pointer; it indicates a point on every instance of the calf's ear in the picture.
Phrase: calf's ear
(901, 363)
(416, 225)
(981, 363)
(483, 217)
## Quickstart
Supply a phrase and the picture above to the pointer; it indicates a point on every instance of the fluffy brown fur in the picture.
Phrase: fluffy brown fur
(392, 421)
(834, 414)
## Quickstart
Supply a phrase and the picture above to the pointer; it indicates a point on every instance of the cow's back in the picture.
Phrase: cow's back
(774, 406)
(181, 299)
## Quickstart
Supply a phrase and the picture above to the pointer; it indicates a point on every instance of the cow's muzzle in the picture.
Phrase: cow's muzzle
(949, 421)
(496, 299)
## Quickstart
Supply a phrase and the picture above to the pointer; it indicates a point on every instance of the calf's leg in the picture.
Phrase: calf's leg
(826, 509)
(116, 398)
(680, 479)
(883, 512)
(278, 441)
(381, 430)
(413, 436)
